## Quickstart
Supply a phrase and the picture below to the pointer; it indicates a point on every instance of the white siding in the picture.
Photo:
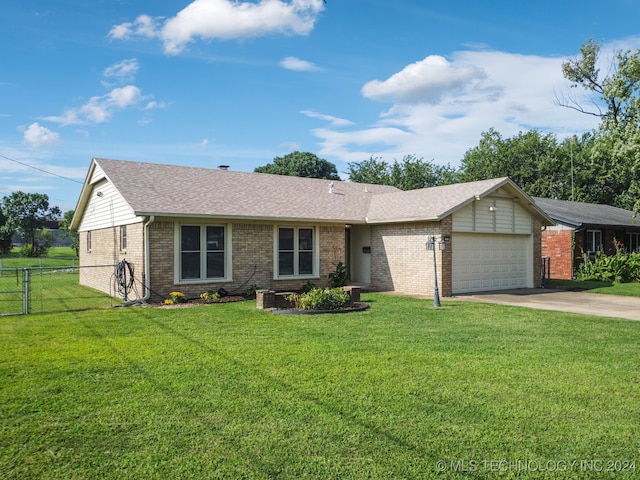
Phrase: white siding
(107, 210)
(493, 214)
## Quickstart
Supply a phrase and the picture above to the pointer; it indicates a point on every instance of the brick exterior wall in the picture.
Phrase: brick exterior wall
(97, 264)
(557, 245)
(252, 252)
(400, 260)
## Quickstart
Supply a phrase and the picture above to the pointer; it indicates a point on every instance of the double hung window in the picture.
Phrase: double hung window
(296, 251)
(594, 241)
(202, 252)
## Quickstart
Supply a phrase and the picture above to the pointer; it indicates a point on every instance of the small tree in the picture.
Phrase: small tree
(26, 214)
(65, 226)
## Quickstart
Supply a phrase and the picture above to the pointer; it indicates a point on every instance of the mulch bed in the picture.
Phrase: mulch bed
(356, 307)
(203, 301)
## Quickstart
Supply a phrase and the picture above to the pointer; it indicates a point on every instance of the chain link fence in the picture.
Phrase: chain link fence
(55, 289)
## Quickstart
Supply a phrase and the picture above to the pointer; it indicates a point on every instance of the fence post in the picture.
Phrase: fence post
(26, 290)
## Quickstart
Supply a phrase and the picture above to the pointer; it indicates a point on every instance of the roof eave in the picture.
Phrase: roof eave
(251, 218)
(401, 220)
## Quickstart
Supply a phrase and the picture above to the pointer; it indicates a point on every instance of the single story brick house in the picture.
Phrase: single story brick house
(584, 229)
(197, 229)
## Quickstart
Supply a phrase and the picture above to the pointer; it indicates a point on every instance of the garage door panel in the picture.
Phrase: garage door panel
(490, 262)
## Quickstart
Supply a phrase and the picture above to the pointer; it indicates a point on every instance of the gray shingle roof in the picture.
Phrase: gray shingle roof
(171, 190)
(578, 214)
(432, 203)
(160, 189)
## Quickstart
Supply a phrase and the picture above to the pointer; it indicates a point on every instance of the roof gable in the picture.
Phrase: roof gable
(435, 203)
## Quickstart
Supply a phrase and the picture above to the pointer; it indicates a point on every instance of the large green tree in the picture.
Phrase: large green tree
(614, 159)
(301, 164)
(26, 214)
(531, 159)
(409, 174)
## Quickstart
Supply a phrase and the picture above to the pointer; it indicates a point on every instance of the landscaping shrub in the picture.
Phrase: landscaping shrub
(210, 295)
(622, 267)
(175, 297)
(323, 299)
(340, 276)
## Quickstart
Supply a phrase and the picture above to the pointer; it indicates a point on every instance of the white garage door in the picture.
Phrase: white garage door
(484, 262)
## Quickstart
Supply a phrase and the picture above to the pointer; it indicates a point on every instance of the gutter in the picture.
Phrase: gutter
(147, 260)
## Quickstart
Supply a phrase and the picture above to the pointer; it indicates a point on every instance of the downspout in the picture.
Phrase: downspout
(147, 260)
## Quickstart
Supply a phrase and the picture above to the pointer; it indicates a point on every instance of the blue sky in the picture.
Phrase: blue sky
(210, 82)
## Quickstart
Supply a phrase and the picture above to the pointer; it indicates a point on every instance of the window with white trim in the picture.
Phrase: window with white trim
(296, 252)
(123, 238)
(202, 254)
(89, 241)
(594, 241)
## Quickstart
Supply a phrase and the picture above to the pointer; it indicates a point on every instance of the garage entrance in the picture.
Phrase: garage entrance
(484, 262)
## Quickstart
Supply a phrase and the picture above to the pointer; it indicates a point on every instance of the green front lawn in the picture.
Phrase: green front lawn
(228, 391)
(593, 286)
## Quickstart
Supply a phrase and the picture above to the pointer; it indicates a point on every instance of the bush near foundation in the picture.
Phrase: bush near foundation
(622, 267)
(323, 299)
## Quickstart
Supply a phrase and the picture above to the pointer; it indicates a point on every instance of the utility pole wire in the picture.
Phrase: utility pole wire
(40, 169)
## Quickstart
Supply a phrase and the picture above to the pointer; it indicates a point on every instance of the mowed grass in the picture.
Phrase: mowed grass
(593, 286)
(55, 257)
(228, 391)
(51, 290)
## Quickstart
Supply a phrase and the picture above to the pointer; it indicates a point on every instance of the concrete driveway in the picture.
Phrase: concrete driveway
(563, 301)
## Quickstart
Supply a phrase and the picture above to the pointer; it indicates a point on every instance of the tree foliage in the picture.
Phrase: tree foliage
(26, 214)
(533, 160)
(301, 164)
(616, 95)
(65, 226)
(5, 235)
(614, 155)
(409, 174)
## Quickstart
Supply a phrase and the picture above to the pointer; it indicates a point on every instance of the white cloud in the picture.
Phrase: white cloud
(424, 81)
(334, 121)
(124, 71)
(441, 107)
(144, 26)
(224, 19)
(99, 109)
(38, 136)
(298, 65)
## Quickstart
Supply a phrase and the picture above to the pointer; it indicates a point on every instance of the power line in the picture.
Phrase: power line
(40, 169)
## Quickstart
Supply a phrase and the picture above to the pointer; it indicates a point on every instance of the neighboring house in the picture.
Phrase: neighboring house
(197, 229)
(584, 229)
(60, 238)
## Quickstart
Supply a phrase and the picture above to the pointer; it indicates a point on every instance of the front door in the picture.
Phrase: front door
(360, 254)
